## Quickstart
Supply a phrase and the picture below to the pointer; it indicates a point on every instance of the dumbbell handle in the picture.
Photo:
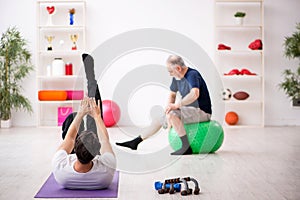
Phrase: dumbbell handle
(159, 185)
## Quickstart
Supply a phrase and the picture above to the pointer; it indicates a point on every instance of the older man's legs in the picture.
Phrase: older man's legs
(178, 125)
(157, 114)
(185, 115)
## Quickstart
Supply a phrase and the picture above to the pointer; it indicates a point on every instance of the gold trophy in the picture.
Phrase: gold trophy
(74, 38)
(49, 39)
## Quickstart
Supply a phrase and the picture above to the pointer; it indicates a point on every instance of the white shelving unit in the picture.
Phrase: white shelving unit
(238, 37)
(60, 27)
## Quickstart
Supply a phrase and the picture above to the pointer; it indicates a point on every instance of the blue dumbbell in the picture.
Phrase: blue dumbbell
(158, 185)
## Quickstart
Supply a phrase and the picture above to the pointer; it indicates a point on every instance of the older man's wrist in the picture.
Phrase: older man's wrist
(178, 105)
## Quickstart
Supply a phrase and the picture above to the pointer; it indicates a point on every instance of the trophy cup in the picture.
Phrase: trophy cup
(49, 39)
(74, 38)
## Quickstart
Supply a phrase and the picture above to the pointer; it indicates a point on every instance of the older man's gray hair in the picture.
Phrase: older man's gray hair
(175, 60)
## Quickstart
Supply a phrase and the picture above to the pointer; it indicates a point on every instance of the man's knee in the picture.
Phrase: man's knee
(171, 116)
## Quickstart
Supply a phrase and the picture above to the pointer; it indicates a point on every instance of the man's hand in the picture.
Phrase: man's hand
(84, 107)
(94, 110)
(172, 106)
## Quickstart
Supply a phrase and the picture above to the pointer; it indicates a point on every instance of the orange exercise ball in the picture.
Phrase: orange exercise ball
(231, 118)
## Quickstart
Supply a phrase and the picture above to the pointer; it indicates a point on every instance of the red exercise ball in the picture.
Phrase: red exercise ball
(231, 118)
(111, 113)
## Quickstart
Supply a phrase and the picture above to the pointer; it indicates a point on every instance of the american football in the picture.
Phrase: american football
(241, 95)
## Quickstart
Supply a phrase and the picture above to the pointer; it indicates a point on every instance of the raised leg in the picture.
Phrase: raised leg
(92, 86)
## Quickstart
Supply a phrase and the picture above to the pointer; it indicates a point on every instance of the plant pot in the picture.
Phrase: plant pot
(239, 20)
(6, 123)
(296, 102)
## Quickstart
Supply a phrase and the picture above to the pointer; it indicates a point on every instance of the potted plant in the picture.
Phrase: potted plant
(15, 65)
(291, 83)
(239, 17)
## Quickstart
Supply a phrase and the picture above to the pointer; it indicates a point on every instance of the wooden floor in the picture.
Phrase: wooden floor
(253, 163)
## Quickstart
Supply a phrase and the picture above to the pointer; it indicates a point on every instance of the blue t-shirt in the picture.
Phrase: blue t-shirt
(193, 79)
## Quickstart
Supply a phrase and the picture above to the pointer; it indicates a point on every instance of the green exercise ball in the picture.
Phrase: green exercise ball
(204, 137)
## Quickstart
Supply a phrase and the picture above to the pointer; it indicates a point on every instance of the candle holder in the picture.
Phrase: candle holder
(49, 38)
(74, 38)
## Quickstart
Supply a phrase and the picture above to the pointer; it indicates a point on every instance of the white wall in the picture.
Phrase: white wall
(22, 15)
(193, 19)
(280, 21)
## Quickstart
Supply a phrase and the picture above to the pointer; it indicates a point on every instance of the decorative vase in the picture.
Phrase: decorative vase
(51, 12)
(71, 19)
(71, 15)
(6, 123)
(239, 20)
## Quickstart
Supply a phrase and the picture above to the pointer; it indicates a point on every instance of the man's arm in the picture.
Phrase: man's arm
(172, 97)
(171, 101)
(69, 141)
(188, 99)
(101, 128)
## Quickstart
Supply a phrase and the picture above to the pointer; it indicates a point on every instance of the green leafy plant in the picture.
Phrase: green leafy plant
(14, 67)
(240, 14)
(292, 44)
(291, 83)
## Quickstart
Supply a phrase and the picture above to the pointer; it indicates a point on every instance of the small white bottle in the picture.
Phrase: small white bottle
(58, 67)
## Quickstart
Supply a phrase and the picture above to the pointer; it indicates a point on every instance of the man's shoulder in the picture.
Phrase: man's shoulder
(107, 159)
(61, 158)
(60, 154)
(192, 71)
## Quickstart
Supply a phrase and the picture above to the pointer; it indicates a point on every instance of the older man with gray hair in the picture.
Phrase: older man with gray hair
(194, 105)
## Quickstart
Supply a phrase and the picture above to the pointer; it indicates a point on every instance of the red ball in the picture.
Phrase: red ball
(231, 118)
(111, 113)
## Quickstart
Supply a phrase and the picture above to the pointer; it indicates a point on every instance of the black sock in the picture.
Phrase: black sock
(185, 149)
(132, 144)
(88, 62)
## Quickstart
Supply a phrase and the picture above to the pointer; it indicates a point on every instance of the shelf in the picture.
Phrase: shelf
(60, 1)
(242, 101)
(242, 126)
(61, 53)
(239, 52)
(238, 36)
(238, 1)
(61, 28)
(59, 77)
(234, 27)
(59, 102)
(242, 77)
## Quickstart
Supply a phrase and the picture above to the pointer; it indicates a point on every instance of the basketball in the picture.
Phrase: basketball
(231, 118)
